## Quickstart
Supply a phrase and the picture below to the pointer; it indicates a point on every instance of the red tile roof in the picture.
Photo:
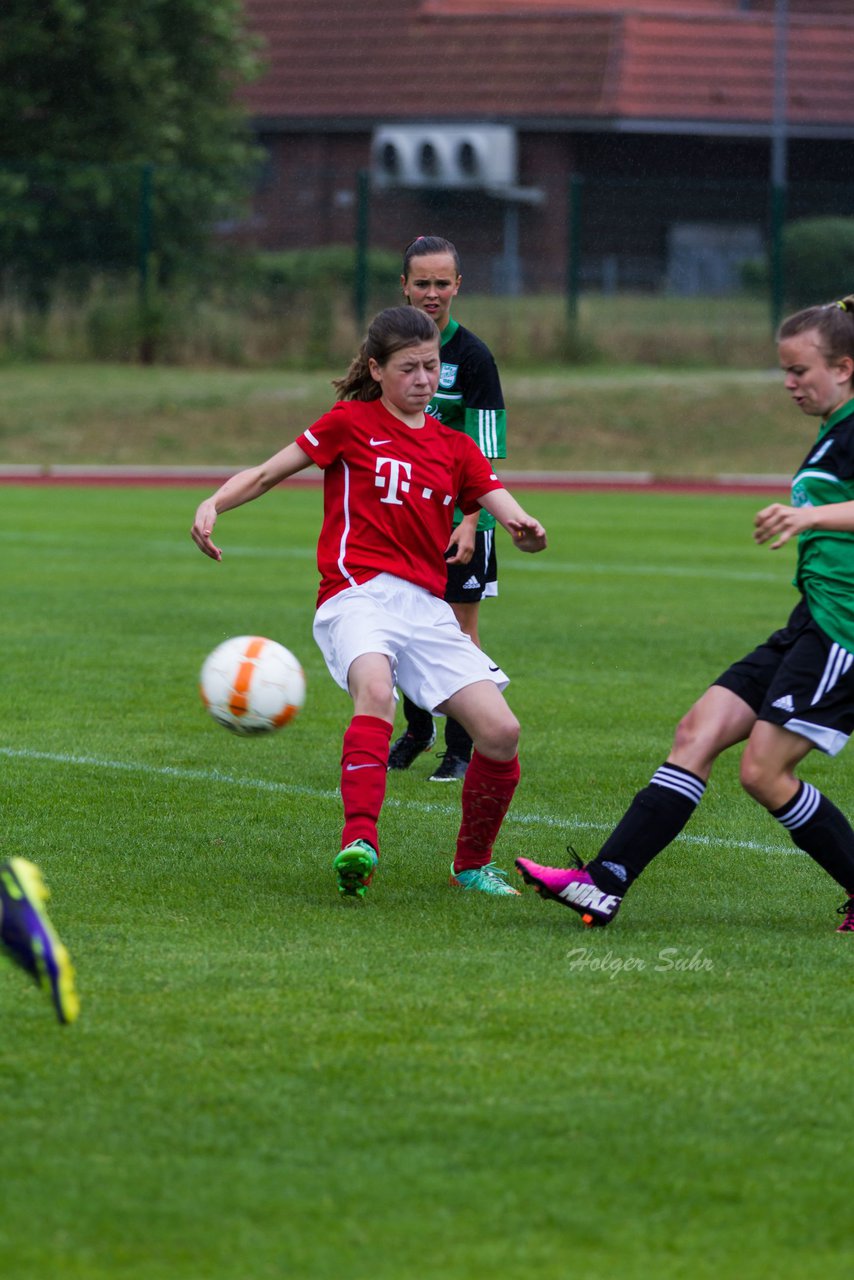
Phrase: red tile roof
(346, 63)
(584, 6)
(723, 69)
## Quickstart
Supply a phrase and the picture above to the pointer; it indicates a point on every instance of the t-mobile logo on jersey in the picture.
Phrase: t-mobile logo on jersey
(393, 479)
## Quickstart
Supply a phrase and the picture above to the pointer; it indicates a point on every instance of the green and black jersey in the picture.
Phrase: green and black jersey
(469, 397)
(825, 571)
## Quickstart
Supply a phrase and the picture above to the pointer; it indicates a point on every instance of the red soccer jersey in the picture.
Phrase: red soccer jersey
(389, 492)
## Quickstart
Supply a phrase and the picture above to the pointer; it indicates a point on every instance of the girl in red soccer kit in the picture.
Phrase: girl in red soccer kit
(392, 476)
(470, 399)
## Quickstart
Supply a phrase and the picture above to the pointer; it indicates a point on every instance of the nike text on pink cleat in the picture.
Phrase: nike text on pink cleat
(571, 888)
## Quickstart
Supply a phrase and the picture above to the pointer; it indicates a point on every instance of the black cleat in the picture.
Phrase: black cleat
(452, 769)
(407, 748)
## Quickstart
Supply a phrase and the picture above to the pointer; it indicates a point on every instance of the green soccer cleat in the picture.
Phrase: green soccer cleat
(354, 867)
(30, 939)
(488, 879)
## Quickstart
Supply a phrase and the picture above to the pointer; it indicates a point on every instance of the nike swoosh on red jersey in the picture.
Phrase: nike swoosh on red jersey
(374, 443)
(351, 768)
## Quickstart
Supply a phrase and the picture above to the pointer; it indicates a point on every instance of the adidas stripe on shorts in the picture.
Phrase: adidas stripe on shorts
(800, 679)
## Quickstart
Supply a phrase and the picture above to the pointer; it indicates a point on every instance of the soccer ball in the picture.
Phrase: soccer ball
(252, 685)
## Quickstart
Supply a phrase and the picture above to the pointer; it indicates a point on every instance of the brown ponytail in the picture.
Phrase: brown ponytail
(390, 331)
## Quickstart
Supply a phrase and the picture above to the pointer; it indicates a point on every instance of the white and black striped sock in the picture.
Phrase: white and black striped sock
(653, 819)
(822, 831)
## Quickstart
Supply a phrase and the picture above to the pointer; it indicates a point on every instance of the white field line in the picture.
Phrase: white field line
(567, 824)
(524, 564)
(641, 570)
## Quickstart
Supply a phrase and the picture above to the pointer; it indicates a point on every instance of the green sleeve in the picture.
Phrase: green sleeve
(488, 429)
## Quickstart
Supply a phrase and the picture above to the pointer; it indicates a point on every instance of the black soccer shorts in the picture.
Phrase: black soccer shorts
(469, 583)
(799, 679)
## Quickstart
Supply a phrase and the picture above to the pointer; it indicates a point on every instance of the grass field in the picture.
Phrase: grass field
(672, 422)
(265, 1082)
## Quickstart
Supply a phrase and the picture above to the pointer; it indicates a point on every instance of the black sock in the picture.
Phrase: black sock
(822, 831)
(457, 741)
(653, 819)
(418, 721)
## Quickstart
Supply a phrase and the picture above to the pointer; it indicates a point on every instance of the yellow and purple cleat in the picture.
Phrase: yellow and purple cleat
(29, 938)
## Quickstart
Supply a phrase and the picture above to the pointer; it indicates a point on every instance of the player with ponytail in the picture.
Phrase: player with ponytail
(391, 477)
(792, 694)
(468, 399)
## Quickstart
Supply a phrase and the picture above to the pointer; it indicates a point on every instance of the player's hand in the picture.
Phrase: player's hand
(460, 549)
(527, 533)
(781, 523)
(203, 528)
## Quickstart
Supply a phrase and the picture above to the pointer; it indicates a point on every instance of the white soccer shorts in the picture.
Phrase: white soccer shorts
(431, 658)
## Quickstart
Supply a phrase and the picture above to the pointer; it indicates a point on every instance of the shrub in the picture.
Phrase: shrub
(328, 270)
(755, 277)
(818, 260)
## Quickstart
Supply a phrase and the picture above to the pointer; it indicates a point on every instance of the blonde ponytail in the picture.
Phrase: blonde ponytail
(834, 323)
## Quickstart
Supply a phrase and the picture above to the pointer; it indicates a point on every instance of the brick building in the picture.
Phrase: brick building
(475, 115)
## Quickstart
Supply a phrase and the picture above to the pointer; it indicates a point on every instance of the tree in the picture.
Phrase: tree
(119, 118)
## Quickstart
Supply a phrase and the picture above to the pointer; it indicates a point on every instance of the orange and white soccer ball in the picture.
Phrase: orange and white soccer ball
(252, 685)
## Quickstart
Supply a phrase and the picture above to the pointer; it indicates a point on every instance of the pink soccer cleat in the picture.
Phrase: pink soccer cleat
(847, 913)
(571, 887)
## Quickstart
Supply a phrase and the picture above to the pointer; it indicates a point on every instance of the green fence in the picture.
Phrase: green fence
(156, 258)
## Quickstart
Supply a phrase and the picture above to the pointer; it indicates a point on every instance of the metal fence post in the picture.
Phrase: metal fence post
(779, 159)
(778, 281)
(146, 187)
(360, 285)
(573, 248)
(146, 334)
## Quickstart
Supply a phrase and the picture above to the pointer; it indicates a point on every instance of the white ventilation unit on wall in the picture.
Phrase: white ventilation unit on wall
(482, 156)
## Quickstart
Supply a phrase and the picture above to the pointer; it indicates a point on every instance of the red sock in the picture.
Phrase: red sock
(364, 760)
(487, 791)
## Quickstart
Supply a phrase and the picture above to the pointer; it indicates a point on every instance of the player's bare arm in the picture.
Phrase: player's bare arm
(783, 522)
(244, 487)
(462, 540)
(527, 532)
